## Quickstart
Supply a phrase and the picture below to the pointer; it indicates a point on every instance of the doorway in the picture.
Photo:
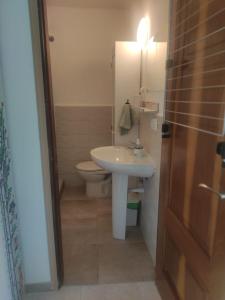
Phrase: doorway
(83, 225)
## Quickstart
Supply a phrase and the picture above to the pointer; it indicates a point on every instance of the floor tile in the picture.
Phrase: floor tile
(74, 193)
(104, 229)
(104, 232)
(148, 291)
(122, 292)
(128, 291)
(79, 230)
(104, 207)
(134, 235)
(66, 293)
(79, 208)
(81, 265)
(71, 293)
(79, 237)
(124, 263)
(87, 226)
(96, 292)
(78, 222)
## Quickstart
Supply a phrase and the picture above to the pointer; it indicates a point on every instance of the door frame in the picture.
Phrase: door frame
(164, 177)
(39, 29)
(166, 289)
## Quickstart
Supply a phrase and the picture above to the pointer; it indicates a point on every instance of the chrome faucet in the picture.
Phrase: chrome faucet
(135, 145)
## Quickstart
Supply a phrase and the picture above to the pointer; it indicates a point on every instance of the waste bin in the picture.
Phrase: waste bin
(133, 207)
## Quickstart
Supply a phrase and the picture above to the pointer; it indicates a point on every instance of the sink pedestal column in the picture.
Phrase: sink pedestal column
(119, 205)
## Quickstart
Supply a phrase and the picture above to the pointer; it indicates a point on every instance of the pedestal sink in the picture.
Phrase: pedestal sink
(122, 162)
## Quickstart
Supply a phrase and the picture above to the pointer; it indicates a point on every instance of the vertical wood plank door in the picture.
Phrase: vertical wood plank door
(192, 204)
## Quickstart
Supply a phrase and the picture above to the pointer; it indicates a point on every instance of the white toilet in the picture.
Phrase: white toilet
(98, 181)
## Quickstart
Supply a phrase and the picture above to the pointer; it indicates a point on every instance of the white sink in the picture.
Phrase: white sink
(118, 159)
(122, 162)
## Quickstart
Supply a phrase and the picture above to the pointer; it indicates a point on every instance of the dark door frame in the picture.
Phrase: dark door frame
(50, 123)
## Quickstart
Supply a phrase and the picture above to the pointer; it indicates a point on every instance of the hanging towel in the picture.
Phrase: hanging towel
(126, 119)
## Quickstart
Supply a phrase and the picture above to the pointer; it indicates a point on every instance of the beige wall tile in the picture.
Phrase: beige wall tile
(82, 113)
(103, 113)
(100, 140)
(68, 166)
(67, 127)
(99, 126)
(71, 179)
(73, 140)
(73, 154)
(79, 129)
(70, 113)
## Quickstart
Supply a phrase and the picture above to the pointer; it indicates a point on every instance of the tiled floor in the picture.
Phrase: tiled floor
(91, 255)
(128, 291)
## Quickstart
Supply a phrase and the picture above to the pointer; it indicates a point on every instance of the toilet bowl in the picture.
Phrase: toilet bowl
(98, 180)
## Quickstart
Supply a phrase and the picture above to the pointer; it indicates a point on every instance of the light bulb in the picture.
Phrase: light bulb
(143, 32)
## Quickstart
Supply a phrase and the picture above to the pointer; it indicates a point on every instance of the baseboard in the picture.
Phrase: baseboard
(38, 287)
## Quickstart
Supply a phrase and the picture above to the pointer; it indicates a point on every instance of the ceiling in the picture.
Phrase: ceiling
(120, 4)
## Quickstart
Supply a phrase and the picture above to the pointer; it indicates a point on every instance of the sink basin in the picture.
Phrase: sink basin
(122, 162)
(118, 159)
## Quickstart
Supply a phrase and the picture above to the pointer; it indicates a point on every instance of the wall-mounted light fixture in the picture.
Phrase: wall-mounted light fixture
(143, 32)
(144, 42)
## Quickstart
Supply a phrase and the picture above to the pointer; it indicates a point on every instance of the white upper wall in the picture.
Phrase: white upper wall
(17, 64)
(127, 86)
(85, 32)
(82, 53)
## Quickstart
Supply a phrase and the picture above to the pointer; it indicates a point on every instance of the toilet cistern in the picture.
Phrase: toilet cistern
(122, 162)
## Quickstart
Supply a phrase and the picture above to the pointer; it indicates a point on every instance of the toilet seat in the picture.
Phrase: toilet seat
(90, 166)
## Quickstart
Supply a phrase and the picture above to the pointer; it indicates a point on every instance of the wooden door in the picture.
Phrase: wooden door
(191, 244)
(49, 107)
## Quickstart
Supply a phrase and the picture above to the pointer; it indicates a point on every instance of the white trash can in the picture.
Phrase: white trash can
(133, 207)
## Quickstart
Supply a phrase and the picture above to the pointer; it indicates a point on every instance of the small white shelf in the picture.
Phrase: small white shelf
(146, 110)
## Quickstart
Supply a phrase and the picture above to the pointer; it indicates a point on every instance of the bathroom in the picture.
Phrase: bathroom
(90, 127)
(104, 54)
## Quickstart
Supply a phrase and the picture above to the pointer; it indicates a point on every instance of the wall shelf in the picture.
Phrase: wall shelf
(148, 110)
(153, 109)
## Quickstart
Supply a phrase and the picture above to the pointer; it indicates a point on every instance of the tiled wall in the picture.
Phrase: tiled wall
(78, 130)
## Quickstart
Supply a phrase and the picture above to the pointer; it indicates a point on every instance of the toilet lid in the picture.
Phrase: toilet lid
(89, 166)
